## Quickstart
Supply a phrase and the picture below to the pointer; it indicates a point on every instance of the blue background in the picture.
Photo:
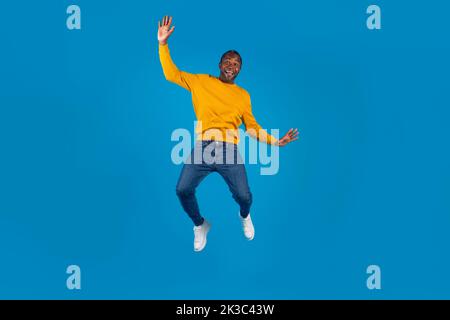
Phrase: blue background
(86, 176)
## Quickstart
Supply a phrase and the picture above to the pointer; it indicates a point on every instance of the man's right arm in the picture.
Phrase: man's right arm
(171, 72)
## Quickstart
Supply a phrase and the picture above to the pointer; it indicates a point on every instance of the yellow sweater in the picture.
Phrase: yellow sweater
(220, 107)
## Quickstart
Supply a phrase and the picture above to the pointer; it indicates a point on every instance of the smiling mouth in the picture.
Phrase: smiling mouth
(229, 73)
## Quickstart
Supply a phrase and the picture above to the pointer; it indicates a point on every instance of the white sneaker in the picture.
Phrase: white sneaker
(247, 226)
(200, 233)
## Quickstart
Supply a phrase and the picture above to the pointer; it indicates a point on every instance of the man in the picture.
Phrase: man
(220, 106)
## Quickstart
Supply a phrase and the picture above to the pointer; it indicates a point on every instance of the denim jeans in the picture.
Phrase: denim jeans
(213, 156)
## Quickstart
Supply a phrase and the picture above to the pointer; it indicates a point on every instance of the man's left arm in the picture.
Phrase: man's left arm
(254, 130)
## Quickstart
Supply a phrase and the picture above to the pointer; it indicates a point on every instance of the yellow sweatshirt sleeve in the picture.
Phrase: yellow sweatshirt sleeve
(171, 72)
(253, 129)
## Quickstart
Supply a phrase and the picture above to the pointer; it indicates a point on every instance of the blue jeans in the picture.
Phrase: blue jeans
(210, 156)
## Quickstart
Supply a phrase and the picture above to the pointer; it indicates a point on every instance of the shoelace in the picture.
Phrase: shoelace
(246, 223)
(197, 232)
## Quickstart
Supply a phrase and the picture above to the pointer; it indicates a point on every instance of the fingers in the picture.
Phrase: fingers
(171, 30)
(293, 133)
(166, 21)
(290, 133)
(290, 136)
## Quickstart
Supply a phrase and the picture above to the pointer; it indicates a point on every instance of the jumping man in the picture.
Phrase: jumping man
(221, 107)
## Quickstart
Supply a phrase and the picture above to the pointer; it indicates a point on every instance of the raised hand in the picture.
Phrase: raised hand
(164, 29)
(292, 135)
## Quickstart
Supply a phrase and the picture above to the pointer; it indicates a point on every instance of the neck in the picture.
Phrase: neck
(223, 79)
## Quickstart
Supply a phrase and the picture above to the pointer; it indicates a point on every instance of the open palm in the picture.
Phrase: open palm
(164, 29)
(292, 135)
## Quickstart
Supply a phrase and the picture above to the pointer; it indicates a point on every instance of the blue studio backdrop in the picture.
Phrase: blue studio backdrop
(86, 176)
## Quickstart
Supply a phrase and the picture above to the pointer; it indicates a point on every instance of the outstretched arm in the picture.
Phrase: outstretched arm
(256, 131)
(171, 72)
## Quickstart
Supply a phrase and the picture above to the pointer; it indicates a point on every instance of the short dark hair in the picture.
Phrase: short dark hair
(233, 52)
